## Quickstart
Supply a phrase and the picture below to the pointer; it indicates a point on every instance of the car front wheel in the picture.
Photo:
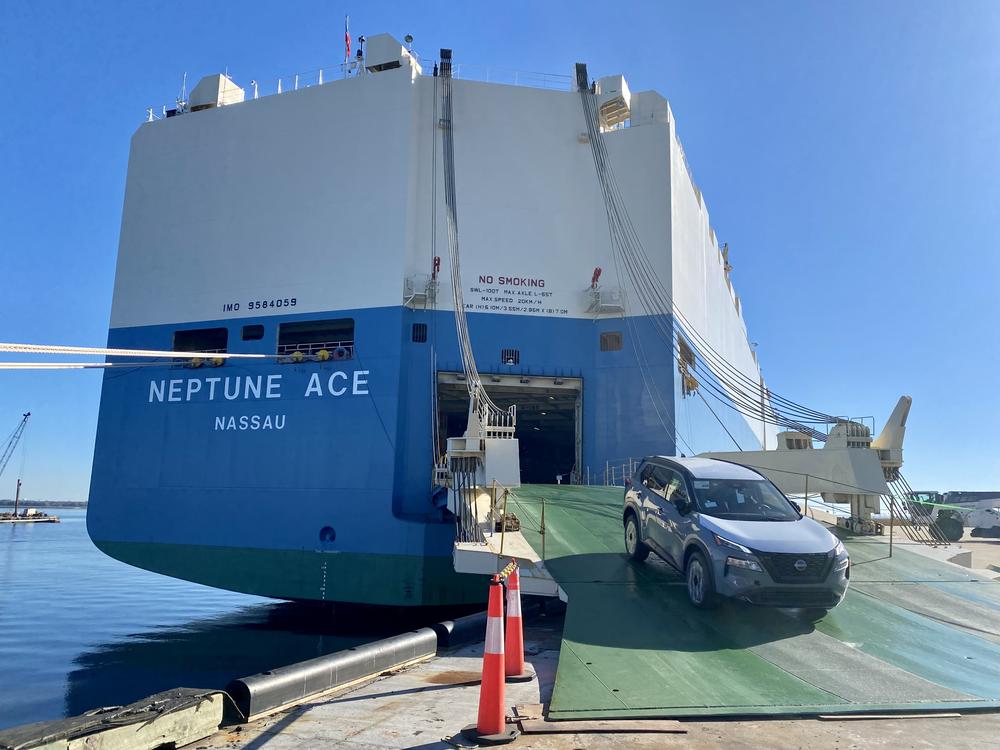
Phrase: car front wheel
(700, 586)
(633, 542)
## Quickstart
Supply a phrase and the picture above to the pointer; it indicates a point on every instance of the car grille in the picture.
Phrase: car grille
(796, 597)
(781, 566)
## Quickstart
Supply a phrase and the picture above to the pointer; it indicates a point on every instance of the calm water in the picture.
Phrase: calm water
(79, 630)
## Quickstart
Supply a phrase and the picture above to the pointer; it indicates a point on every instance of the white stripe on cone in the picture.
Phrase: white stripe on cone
(494, 635)
(513, 603)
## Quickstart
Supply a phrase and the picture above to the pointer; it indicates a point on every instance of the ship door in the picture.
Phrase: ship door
(549, 411)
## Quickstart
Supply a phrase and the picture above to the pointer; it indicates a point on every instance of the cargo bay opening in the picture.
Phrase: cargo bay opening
(549, 419)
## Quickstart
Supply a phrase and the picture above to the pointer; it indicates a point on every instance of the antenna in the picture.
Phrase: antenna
(182, 99)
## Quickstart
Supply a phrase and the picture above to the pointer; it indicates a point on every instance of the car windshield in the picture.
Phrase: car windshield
(742, 500)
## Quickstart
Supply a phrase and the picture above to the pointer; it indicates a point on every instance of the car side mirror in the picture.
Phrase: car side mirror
(798, 508)
(682, 504)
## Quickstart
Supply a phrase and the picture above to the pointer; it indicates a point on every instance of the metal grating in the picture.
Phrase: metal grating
(781, 566)
(510, 356)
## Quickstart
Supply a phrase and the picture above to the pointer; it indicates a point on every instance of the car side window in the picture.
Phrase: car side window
(653, 479)
(675, 488)
(644, 477)
(660, 479)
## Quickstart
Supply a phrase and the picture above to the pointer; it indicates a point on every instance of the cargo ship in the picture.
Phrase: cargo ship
(309, 226)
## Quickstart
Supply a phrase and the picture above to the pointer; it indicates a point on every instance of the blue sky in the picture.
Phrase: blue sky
(849, 153)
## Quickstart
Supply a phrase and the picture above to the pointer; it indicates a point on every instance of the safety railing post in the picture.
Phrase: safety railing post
(892, 522)
(542, 528)
(503, 524)
(475, 508)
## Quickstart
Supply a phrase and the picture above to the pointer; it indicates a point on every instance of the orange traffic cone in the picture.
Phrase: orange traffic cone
(492, 729)
(514, 670)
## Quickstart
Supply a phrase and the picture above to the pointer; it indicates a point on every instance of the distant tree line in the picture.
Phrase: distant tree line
(45, 503)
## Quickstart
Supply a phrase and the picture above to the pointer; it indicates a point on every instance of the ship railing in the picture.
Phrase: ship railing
(528, 78)
(181, 354)
(346, 348)
(187, 359)
(495, 421)
(614, 473)
(284, 84)
(462, 484)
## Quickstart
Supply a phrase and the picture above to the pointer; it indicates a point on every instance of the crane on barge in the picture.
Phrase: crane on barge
(8, 451)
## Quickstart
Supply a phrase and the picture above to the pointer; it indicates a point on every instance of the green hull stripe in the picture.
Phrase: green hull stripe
(396, 580)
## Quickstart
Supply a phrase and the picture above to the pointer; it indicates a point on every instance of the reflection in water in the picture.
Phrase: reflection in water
(79, 630)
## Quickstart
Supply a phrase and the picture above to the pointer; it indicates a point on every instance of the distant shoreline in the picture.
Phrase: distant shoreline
(45, 504)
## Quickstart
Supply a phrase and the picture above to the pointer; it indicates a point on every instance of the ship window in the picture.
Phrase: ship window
(419, 333)
(253, 332)
(202, 340)
(510, 356)
(611, 341)
(312, 336)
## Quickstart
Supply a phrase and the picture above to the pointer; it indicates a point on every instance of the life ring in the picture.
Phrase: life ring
(340, 353)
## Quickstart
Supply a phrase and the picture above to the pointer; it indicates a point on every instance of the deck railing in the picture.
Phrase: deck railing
(257, 89)
(346, 348)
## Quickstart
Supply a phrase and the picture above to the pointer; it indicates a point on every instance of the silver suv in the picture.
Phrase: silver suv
(732, 533)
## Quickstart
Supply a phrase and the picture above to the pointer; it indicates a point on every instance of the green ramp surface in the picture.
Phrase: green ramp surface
(912, 633)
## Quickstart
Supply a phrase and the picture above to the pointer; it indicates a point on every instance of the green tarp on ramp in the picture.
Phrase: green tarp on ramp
(912, 634)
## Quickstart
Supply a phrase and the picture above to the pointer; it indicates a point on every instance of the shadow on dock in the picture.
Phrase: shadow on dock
(208, 653)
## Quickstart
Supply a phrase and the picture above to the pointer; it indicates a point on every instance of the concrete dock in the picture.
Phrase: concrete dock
(910, 659)
(425, 707)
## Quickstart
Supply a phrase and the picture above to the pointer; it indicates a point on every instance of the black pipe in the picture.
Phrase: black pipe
(263, 693)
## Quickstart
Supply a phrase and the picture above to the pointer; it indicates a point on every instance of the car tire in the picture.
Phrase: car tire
(700, 583)
(634, 546)
(951, 528)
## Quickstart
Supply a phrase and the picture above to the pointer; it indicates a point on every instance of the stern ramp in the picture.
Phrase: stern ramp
(912, 634)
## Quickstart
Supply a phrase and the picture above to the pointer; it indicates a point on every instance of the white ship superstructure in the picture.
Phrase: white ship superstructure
(311, 227)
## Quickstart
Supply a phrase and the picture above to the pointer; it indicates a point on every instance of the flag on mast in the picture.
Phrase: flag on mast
(347, 38)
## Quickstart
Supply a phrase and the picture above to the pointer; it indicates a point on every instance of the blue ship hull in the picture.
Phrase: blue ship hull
(323, 491)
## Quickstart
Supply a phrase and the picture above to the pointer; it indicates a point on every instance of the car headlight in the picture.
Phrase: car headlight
(839, 549)
(727, 544)
(738, 562)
